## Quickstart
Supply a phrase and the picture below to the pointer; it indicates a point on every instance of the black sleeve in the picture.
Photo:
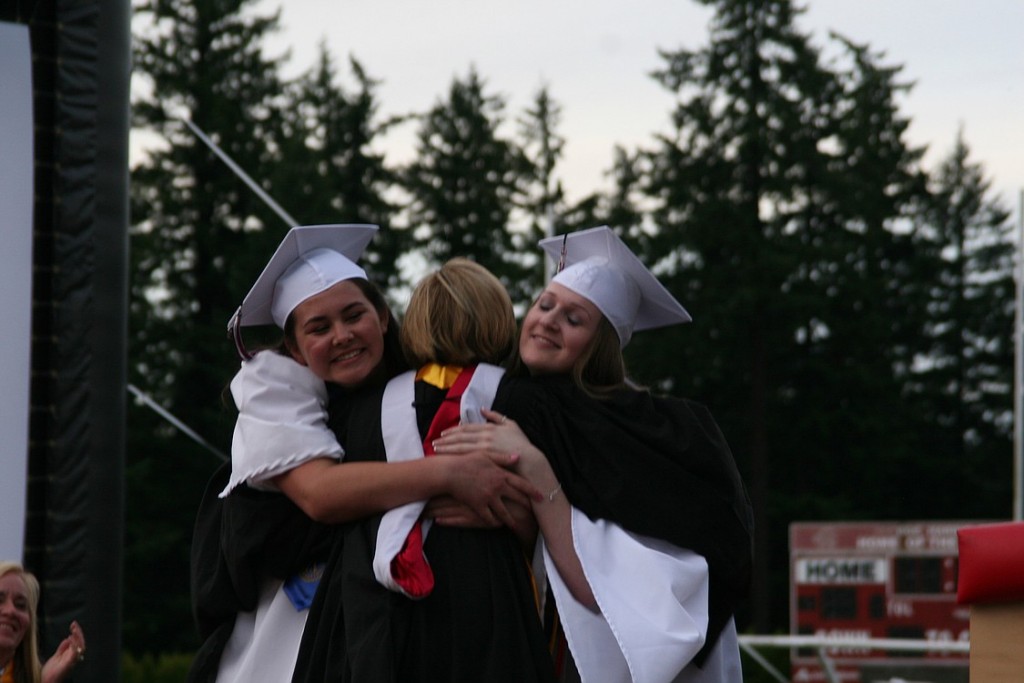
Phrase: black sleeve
(238, 542)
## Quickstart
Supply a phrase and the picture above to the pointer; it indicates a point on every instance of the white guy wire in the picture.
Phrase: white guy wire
(241, 174)
(167, 415)
(1018, 370)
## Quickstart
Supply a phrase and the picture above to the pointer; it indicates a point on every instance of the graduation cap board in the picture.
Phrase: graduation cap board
(309, 260)
(601, 268)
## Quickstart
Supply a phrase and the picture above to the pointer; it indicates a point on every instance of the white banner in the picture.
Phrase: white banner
(16, 191)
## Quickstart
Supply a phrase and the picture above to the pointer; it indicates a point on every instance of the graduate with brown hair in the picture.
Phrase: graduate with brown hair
(263, 529)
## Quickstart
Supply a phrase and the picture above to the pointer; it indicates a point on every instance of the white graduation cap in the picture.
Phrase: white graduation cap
(601, 268)
(309, 260)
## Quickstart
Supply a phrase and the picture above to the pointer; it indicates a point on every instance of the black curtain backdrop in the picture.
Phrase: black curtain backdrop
(81, 64)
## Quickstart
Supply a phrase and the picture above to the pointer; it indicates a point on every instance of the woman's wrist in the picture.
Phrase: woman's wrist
(532, 462)
(537, 470)
(445, 470)
(553, 493)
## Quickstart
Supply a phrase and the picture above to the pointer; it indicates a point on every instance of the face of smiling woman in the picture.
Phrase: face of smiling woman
(14, 614)
(339, 335)
(556, 330)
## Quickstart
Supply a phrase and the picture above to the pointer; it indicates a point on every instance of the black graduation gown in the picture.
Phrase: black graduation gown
(238, 543)
(480, 623)
(657, 466)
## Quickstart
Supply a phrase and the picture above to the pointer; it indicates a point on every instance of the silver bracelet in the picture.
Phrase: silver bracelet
(551, 496)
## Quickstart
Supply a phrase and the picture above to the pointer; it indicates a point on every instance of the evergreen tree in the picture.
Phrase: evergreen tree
(619, 208)
(873, 275)
(336, 174)
(465, 183)
(963, 383)
(546, 204)
(623, 207)
(545, 199)
(196, 246)
(777, 169)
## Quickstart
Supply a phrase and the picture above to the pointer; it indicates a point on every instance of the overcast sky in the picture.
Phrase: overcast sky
(965, 56)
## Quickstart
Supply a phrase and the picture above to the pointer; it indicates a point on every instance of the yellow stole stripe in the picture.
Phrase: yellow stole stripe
(440, 376)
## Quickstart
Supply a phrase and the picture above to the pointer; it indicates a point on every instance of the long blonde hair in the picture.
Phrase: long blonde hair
(27, 668)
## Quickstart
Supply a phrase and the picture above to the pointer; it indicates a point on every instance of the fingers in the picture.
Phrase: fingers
(467, 521)
(497, 453)
(502, 514)
(513, 488)
(461, 439)
(76, 640)
(467, 429)
(461, 518)
(494, 417)
(518, 497)
(434, 510)
(523, 487)
(451, 446)
(457, 520)
(503, 460)
(483, 516)
(77, 634)
(444, 506)
(448, 511)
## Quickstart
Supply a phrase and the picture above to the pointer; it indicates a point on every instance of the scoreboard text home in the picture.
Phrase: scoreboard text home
(886, 580)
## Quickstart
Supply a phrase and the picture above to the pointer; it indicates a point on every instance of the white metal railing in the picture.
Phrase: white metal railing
(821, 644)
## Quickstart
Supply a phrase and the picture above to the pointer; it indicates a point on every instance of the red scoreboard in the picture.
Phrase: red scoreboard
(861, 580)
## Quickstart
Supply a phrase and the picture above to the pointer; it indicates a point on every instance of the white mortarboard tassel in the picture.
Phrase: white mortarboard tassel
(602, 269)
(309, 260)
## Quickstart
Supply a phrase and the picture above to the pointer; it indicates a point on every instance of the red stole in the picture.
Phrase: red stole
(410, 568)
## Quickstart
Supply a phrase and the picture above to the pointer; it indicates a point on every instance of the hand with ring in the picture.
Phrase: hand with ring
(498, 437)
(69, 653)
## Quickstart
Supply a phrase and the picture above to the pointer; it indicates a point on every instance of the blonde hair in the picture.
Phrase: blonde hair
(27, 668)
(459, 315)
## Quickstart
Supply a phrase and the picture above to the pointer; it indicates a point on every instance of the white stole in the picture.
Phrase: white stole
(402, 442)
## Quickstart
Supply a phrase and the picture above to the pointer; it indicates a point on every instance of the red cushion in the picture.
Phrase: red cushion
(991, 563)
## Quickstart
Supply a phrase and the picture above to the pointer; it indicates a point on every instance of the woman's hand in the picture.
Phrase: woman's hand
(497, 438)
(446, 511)
(485, 485)
(69, 653)
(552, 510)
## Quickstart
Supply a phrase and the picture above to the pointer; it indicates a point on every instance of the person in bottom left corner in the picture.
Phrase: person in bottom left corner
(19, 642)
